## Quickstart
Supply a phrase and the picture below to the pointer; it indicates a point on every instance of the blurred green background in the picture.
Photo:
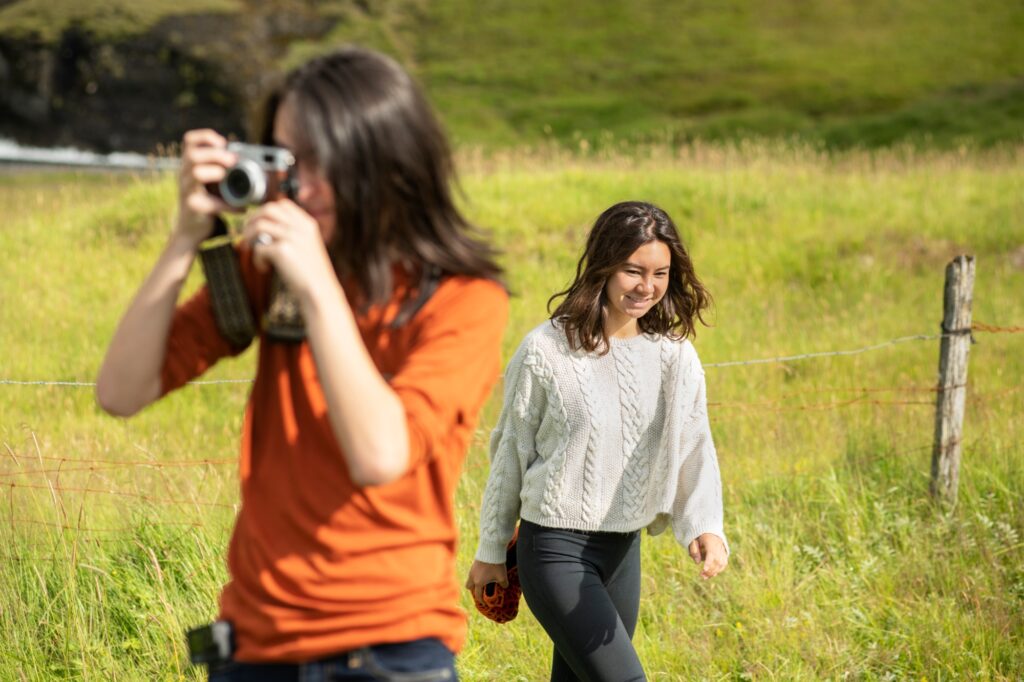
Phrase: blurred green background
(585, 74)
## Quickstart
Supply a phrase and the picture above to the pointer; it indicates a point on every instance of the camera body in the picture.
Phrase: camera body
(260, 174)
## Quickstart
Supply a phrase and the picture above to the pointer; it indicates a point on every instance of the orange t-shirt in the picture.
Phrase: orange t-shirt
(319, 566)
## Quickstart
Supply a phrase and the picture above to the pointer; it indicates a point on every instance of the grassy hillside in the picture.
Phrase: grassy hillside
(113, 532)
(839, 73)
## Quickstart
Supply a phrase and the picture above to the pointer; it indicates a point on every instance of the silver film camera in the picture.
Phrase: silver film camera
(261, 174)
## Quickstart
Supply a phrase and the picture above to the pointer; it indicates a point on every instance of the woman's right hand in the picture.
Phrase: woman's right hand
(204, 160)
(482, 574)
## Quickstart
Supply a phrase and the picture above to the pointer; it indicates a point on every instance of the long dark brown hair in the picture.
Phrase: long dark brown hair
(386, 156)
(615, 236)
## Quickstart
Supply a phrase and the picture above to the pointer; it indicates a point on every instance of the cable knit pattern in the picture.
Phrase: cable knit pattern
(635, 469)
(537, 363)
(591, 472)
(669, 367)
(614, 442)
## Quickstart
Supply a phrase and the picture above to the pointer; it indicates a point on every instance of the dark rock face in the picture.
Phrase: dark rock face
(143, 91)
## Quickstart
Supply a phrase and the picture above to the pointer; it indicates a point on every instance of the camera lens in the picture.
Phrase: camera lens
(244, 184)
(238, 183)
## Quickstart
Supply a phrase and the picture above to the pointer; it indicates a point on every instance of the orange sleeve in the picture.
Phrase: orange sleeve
(194, 344)
(454, 362)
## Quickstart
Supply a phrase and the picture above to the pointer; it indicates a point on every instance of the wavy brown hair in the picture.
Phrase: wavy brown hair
(615, 236)
(382, 149)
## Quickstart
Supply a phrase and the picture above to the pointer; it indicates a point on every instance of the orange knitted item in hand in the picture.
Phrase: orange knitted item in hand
(501, 604)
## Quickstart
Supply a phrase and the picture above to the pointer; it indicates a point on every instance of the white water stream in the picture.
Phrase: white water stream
(13, 153)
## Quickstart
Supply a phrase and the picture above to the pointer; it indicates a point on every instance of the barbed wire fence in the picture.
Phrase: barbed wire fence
(43, 472)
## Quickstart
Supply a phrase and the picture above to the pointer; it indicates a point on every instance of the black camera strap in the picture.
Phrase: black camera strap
(231, 309)
(429, 281)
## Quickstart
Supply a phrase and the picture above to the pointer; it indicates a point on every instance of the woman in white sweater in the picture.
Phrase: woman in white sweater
(604, 432)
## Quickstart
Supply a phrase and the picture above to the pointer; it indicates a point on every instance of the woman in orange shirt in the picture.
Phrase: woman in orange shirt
(342, 558)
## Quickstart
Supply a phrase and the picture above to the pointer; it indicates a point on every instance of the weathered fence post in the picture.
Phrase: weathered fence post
(952, 389)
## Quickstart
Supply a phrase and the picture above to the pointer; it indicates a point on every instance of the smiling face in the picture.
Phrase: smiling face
(315, 193)
(635, 287)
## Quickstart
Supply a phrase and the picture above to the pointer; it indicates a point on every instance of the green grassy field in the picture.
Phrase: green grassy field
(113, 533)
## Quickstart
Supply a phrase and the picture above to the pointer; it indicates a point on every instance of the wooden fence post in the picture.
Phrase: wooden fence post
(952, 388)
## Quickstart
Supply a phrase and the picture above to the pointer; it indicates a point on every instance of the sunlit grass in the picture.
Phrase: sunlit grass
(113, 532)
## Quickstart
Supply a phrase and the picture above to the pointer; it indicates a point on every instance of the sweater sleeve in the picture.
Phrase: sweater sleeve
(697, 508)
(512, 448)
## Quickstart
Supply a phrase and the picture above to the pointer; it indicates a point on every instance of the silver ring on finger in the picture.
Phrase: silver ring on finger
(263, 239)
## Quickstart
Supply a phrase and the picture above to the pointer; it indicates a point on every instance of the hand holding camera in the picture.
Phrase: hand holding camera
(204, 158)
(292, 244)
(218, 177)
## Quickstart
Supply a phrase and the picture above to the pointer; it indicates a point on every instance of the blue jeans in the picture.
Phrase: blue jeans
(421, 660)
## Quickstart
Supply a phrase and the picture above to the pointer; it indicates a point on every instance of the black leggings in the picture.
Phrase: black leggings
(584, 589)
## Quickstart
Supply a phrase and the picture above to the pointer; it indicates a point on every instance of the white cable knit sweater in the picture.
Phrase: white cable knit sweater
(616, 442)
